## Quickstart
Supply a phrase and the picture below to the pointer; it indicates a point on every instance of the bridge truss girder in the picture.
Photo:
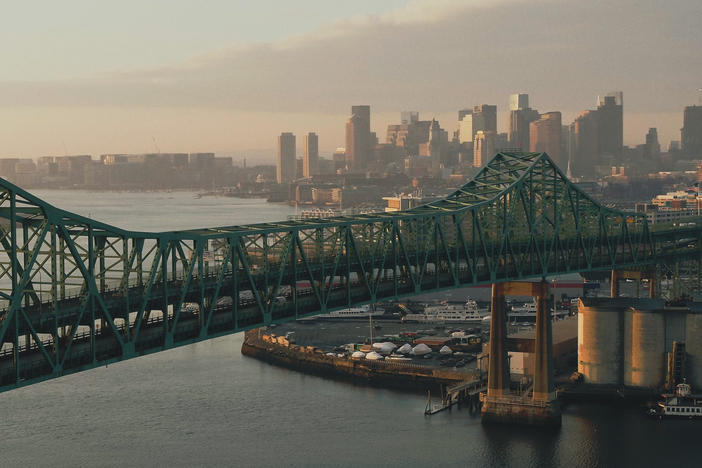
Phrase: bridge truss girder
(77, 293)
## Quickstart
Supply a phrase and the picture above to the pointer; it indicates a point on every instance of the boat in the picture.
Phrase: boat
(527, 313)
(363, 311)
(446, 312)
(681, 404)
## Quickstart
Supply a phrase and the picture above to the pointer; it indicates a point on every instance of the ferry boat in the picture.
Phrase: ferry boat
(682, 404)
(446, 312)
(363, 311)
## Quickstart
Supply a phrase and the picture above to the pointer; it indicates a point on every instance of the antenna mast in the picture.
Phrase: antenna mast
(158, 150)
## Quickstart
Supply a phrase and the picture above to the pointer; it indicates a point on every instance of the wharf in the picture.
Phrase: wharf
(399, 375)
(468, 390)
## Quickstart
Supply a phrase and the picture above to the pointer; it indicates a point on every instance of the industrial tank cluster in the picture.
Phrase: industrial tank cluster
(628, 342)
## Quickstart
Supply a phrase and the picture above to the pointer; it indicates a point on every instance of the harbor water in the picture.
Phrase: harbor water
(206, 404)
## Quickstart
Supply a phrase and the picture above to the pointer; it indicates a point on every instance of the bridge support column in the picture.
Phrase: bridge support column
(652, 284)
(501, 406)
(498, 367)
(614, 284)
(543, 349)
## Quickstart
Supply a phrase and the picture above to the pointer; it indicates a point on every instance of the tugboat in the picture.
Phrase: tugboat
(682, 404)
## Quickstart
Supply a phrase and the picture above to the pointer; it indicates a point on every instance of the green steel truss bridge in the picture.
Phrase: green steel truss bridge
(76, 293)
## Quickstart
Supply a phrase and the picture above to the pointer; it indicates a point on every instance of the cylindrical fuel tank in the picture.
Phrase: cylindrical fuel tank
(693, 347)
(599, 344)
(644, 348)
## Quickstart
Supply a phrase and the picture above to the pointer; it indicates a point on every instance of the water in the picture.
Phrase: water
(206, 404)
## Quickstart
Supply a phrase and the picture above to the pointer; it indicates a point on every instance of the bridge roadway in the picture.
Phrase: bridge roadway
(98, 344)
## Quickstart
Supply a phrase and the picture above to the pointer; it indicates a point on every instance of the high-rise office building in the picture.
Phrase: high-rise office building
(584, 143)
(463, 112)
(358, 138)
(545, 136)
(518, 101)
(310, 155)
(484, 118)
(286, 163)
(610, 120)
(691, 133)
(618, 97)
(597, 136)
(520, 116)
(409, 117)
(518, 131)
(465, 128)
(409, 135)
(483, 147)
(652, 148)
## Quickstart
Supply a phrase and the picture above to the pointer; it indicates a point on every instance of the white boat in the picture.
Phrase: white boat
(527, 313)
(446, 312)
(681, 404)
(363, 311)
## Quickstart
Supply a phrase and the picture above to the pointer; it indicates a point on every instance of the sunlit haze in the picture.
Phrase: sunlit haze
(83, 77)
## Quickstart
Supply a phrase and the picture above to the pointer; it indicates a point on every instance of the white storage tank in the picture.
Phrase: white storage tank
(693, 347)
(599, 343)
(644, 348)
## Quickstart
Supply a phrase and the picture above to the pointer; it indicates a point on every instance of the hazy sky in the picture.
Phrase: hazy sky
(226, 76)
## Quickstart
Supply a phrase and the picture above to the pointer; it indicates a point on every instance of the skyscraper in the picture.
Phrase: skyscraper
(310, 155)
(465, 128)
(463, 112)
(286, 163)
(584, 143)
(545, 137)
(409, 117)
(484, 118)
(519, 120)
(518, 101)
(483, 147)
(691, 133)
(358, 138)
(520, 116)
(652, 148)
(610, 121)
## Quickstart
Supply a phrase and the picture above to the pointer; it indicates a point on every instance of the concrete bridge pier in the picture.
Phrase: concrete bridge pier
(502, 406)
(543, 393)
(498, 366)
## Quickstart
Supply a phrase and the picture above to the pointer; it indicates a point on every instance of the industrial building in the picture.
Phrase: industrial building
(639, 343)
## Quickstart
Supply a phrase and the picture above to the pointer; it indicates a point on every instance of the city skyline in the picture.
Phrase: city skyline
(209, 92)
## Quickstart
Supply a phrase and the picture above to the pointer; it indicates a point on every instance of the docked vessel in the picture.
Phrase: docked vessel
(527, 313)
(682, 404)
(446, 312)
(363, 311)
(523, 313)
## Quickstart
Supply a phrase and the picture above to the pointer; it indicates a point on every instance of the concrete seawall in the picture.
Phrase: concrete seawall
(399, 375)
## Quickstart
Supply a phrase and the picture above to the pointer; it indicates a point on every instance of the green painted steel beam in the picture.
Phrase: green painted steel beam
(76, 293)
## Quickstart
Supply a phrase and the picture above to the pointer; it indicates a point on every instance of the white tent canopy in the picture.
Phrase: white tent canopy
(421, 349)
